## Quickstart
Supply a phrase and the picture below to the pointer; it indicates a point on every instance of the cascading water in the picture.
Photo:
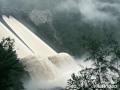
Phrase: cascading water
(49, 72)
(39, 68)
(47, 68)
(64, 61)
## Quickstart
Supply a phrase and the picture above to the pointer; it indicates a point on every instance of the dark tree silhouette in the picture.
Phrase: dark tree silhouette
(11, 69)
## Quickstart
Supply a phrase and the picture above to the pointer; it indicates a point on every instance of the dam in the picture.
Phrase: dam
(40, 60)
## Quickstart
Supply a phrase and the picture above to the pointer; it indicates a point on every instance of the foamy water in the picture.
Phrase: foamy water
(39, 68)
(49, 72)
(47, 68)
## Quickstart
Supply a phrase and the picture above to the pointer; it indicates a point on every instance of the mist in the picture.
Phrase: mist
(90, 10)
(100, 14)
(63, 23)
(93, 10)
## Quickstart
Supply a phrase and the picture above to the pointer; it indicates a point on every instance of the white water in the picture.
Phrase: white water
(46, 68)
(64, 61)
(48, 74)
(39, 68)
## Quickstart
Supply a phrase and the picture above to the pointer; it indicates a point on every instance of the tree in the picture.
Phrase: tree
(83, 81)
(11, 69)
(104, 54)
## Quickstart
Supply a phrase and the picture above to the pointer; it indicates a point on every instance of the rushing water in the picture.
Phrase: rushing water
(49, 72)
(46, 67)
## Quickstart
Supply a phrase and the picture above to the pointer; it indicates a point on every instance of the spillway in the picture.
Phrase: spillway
(36, 44)
(20, 48)
(41, 61)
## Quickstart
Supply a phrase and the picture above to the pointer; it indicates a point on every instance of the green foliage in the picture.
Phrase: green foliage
(105, 57)
(10, 68)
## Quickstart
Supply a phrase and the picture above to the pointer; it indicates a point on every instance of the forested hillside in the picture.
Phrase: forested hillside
(64, 23)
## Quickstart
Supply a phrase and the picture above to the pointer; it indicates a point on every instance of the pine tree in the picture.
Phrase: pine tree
(11, 69)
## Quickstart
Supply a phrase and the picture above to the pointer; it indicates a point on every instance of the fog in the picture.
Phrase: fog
(104, 13)
(44, 11)
(90, 9)
(93, 10)
(27, 4)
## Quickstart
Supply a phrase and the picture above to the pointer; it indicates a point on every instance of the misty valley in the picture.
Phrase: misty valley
(59, 45)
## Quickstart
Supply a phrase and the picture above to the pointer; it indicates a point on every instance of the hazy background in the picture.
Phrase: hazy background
(63, 22)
